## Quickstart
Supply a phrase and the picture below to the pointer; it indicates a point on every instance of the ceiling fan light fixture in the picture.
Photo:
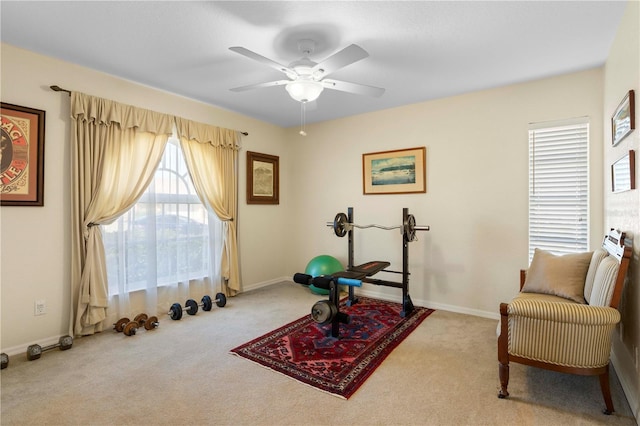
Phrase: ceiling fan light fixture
(304, 90)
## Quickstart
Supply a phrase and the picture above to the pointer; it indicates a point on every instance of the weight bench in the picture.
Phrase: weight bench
(343, 225)
(362, 272)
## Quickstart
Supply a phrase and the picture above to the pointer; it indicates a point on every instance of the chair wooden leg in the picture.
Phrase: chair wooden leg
(503, 371)
(503, 352)
(606, 392)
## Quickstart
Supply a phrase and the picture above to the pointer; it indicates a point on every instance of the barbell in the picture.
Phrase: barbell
(341, 226)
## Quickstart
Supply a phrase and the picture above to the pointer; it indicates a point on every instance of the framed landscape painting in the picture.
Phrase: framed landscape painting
(623, 173)
(22, 156)
(263, 178)
(401, 171)
(623, 120)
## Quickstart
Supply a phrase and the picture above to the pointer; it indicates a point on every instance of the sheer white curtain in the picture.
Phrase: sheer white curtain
(166, 248)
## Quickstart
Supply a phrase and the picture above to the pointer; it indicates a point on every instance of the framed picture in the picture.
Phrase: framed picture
(22, 156)
(394, 172)
(623, 120)
(623, 173)
(263, 178)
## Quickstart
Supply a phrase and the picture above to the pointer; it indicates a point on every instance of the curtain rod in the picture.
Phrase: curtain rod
(60, 89)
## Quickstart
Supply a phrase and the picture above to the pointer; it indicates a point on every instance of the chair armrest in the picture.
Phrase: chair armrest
(568, 313)
(567, 334)
(523, 277)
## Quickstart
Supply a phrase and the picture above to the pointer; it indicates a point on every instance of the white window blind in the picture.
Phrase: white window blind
(559, 186)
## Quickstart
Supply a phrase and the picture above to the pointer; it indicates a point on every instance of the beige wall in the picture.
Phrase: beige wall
(477, 188)
(622, 210)
(35, 241)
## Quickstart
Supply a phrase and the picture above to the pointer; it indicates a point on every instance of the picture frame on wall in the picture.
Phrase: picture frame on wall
(22, 156)
(263, 178)
(401, 171)
(623, 173)
(623, 120)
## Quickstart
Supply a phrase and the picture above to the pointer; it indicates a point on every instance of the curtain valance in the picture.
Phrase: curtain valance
(205, 133)
(86, 108)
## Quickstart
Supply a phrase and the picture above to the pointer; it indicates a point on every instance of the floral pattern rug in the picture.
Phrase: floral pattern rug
(305, 351)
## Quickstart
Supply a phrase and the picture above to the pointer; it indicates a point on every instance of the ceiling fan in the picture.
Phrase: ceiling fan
(306, 78)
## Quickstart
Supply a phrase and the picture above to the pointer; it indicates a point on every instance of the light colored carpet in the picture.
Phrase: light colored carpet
(444, 373)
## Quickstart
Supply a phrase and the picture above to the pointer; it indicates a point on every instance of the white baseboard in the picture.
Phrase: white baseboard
(264, 284)
(22, 350)
(378, 295)
(632, 398)
(434, 305)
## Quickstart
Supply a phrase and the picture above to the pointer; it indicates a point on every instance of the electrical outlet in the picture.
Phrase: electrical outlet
(40, 307)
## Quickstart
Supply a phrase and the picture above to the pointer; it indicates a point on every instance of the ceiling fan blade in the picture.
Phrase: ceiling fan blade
(260, 85)
(358, 89)
(266, 61)
(346, 56)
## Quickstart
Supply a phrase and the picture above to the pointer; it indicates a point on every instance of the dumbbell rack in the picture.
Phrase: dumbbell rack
(371, 269)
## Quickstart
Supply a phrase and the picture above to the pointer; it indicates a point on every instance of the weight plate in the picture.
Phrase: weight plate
(191, 306)
(130, 329)
(175, 312)
(151, 323)
(140, 319)
(5, 360)
(340, 225)
(119, 326)
(221, 300)
(410, 228)
(323, 312)
(207, 304)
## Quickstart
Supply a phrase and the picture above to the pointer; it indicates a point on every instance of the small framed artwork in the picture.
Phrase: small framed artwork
(401, 171)
(22, 156)
(623, 120)
(623, 173)
(263, 180)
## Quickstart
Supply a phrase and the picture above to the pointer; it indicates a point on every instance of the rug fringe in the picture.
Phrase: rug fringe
(287, 376)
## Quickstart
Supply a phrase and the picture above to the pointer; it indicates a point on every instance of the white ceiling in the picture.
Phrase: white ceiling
(419, 50)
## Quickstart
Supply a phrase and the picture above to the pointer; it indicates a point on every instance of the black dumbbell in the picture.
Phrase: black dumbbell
(5, 360)
(126, 326)
(34, 351)
(191, 306)
(220, 301)
(149, 323)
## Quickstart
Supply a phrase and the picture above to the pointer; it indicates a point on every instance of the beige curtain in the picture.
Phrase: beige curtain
(115, 151)
(211, 154)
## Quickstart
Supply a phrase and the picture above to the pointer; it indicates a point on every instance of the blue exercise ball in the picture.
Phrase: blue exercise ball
(322, 265)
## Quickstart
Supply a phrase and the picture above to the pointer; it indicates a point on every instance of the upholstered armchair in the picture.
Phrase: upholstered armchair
(566, 311)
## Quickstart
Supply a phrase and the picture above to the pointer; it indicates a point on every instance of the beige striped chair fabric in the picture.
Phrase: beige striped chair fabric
(598, 255)
(605, 278)
(562, 333)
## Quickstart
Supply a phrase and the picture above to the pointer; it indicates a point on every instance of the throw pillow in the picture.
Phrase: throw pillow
(562, 276)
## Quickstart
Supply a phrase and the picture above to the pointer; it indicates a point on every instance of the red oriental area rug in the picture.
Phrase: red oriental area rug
(305, 351)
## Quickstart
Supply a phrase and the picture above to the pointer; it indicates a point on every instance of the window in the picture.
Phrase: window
(165, 238)
(559, 186)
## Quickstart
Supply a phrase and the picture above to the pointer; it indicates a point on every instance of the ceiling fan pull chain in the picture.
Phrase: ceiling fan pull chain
(303, 118)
